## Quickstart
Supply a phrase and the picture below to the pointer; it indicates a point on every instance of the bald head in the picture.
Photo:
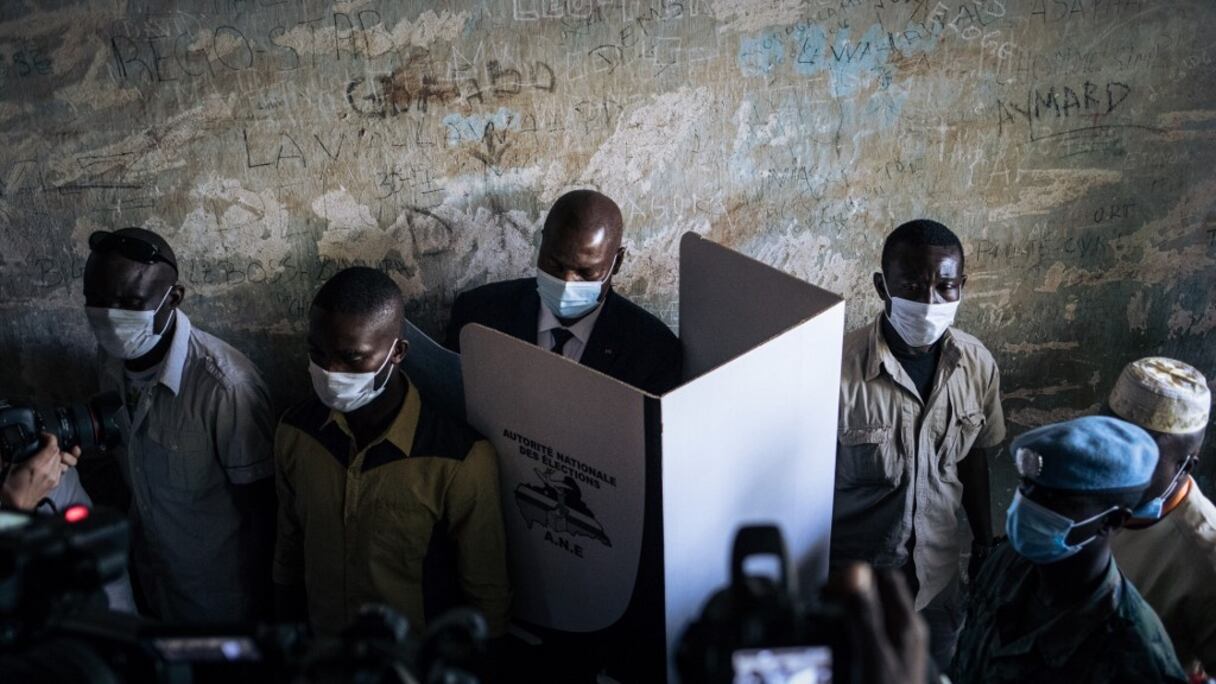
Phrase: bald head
(582, 212)
(582, 238)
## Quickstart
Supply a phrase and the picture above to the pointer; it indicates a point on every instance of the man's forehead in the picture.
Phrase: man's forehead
(351, 329)
(570, 238)
(115, 271)
(928, 257)
(1061, 497)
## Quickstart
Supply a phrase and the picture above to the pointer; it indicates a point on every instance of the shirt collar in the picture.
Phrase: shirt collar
(880, 356)
(581, 330)
(175, 361)
(172, 367)
(1060, 637)
(401, 432)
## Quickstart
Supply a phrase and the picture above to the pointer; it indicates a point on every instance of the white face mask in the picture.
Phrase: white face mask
(920, 324)
(126, 334)
(346, 392)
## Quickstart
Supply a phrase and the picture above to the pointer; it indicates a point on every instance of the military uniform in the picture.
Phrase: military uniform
(1112, 635)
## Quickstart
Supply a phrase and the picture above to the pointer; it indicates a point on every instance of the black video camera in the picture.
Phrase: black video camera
(756, 631)
(89, 425)
(52, 570)
(51, 565)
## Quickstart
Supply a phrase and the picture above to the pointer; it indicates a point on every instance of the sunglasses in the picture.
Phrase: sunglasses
(130, 247)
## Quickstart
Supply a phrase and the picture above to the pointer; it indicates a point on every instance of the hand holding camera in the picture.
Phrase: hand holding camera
(31, 480)
(883, 625)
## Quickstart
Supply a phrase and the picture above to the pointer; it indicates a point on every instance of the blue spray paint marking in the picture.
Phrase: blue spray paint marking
(472, 128)
(811, 51)
(852, 65)
(760, 55)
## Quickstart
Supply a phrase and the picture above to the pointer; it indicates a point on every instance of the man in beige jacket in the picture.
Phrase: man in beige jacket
(1168, 549)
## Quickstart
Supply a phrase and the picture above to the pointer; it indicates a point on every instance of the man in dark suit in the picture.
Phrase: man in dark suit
(570, 307)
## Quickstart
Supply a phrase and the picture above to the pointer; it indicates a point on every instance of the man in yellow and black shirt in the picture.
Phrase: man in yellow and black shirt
(381, 498)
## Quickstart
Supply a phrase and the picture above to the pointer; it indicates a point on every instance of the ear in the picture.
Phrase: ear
(1114, 520)
(399, 351)
(176, 294)
(962, 282)
(620, 259)
(1189, 464)
(878, 286)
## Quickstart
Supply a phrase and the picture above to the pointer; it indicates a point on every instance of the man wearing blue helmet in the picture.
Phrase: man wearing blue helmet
(1052, 605)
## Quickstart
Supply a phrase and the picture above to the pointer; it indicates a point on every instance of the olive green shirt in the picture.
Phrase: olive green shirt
(413, 520)
(1111, 635)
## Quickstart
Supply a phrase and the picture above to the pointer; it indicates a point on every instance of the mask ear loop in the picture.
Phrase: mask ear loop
(604, 280)
(385, 365)
(1089, 521)
(157, 310)
(1184, 469)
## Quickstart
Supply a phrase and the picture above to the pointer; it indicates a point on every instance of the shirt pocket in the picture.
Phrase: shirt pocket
(189, 464)
(399, 537)
(964, 428)
(868, 457)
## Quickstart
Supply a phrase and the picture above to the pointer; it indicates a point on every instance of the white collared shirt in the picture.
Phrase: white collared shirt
(546, 321)
(202, 425)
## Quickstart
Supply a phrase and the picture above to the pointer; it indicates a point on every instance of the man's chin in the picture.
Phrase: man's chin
(1141, 523)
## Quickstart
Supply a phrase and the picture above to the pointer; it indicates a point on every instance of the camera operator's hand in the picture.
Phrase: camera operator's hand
(29, 482)
(890, 641)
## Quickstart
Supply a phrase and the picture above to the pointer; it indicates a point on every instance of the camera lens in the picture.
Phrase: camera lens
(91, 425)
(104, 409)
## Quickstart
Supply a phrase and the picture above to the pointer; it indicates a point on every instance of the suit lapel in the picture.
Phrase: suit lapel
(523, 323)
(603, 348)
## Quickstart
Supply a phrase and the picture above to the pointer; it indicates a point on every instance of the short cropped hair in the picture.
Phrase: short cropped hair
(920, 233)
(359, 290)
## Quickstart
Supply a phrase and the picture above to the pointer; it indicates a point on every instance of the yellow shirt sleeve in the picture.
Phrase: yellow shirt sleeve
(474, 514)
(288, 567)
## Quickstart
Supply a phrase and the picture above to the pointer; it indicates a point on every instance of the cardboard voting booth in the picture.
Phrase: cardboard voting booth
(621, 506)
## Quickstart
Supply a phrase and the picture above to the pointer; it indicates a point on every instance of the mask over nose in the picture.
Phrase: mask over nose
(126, 334)
(920, 324)
(346, 392)
(570, 298)
(1039, 534)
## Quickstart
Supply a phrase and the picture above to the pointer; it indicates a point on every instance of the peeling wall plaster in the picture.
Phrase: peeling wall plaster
(276, 142)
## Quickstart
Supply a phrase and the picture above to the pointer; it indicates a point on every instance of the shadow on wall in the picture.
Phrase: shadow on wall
(45, 371)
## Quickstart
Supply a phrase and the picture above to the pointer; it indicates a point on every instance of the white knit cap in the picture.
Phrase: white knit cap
(1163, 395)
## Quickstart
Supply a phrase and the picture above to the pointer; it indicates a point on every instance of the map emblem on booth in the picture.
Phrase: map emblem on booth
(556, 503)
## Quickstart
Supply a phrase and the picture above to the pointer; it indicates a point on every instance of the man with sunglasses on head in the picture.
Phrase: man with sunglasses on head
(570, 307)
(196, 433)
(1052, 605)
(1168, 548)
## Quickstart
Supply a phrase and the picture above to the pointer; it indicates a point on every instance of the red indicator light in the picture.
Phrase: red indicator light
(75, 514)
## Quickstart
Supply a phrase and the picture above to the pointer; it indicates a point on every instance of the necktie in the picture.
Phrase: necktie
(560, 337)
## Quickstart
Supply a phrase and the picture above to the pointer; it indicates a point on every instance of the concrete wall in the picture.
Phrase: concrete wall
(1070, 143)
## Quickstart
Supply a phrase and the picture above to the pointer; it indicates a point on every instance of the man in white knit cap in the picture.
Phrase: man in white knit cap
(1168, 548)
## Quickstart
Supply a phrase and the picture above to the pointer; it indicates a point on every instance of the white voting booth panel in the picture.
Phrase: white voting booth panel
(752, 437)
(621, 507)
